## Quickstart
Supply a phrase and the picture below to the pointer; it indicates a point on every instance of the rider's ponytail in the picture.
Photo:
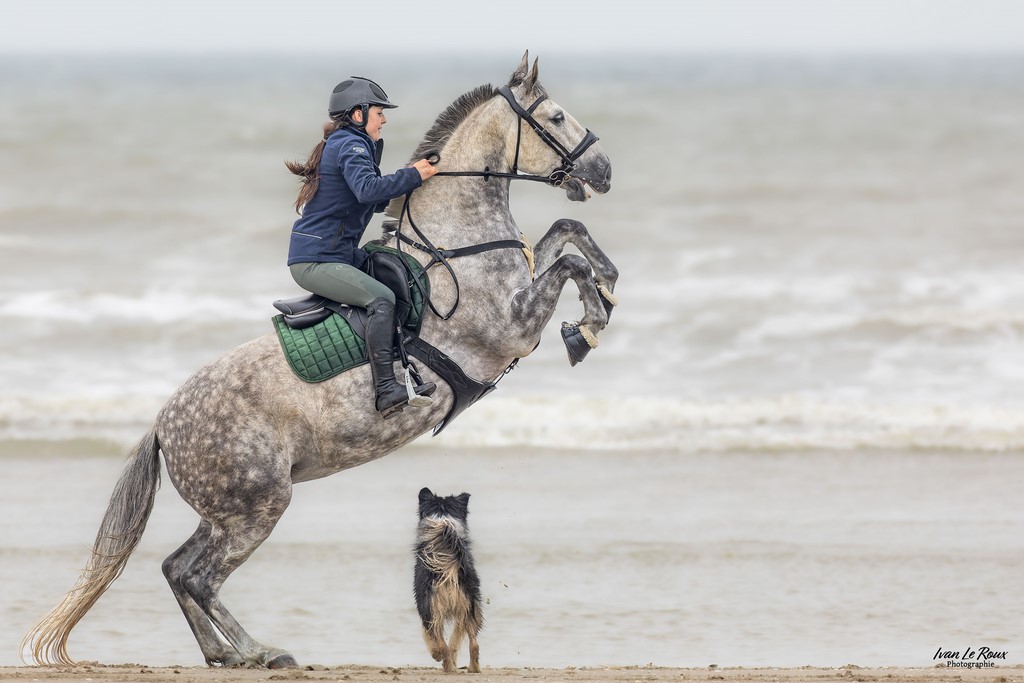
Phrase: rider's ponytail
(309, 170)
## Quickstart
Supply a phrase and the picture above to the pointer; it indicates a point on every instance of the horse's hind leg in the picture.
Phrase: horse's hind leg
(232, 540)
(214, 649)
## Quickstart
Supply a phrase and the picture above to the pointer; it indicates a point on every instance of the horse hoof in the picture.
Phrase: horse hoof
(282, 661)
(578, 342)
(227, 661)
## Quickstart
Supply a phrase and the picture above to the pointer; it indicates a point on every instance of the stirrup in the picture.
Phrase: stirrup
(415, 400)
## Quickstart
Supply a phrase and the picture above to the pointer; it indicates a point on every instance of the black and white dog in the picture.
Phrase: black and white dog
(446, 583)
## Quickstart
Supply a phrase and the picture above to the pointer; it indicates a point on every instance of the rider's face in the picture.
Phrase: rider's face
(375, 120)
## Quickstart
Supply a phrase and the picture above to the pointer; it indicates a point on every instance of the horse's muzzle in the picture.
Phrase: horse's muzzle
(602, 181)
(597, 177)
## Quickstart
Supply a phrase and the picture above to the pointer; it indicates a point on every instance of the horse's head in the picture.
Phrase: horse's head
(551, 142)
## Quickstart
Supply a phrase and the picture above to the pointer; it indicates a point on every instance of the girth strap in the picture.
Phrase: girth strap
(465, 390)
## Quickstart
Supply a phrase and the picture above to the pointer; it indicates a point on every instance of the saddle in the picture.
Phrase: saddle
(322, 338)
(410, 288)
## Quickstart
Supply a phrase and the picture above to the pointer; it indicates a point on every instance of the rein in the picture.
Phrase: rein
(556, 178)
(442, 255)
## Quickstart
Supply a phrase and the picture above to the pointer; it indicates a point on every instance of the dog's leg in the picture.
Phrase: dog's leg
(474, 653)
(449, 660)
(458, 633)
(473, 623)
(433, 636)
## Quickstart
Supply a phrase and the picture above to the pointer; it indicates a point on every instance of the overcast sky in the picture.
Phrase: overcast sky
(428, 26)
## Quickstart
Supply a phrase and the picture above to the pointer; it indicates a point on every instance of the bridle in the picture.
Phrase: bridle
(569, 162)
(568, 157)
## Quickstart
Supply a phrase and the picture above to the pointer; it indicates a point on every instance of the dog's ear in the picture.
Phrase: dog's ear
(463, 501)
(425, 494)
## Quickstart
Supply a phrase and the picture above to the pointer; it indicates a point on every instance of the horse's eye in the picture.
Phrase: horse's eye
(558, 118)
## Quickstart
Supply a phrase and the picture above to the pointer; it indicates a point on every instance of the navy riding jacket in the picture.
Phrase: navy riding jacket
(351, 189)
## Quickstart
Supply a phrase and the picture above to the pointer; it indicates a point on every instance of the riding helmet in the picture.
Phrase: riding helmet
(357, 92)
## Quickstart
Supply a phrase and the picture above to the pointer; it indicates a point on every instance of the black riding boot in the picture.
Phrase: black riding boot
(380, 334)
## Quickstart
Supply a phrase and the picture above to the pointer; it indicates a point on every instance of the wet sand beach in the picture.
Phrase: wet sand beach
(369, 674)
(587, 559)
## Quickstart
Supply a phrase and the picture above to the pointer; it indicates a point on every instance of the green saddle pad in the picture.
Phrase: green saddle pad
(331, 347)
(323, 350)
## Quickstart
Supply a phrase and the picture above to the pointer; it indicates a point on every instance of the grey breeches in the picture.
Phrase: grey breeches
(340, 282)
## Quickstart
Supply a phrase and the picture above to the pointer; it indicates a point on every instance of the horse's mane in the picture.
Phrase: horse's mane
(450, 119)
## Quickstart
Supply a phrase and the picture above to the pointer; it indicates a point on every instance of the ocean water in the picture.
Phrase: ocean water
(798, 442)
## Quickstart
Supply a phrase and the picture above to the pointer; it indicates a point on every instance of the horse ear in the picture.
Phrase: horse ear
(521, 72)
(531, 80)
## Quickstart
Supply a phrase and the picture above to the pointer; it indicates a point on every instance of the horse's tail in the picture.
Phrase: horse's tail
(119, 534)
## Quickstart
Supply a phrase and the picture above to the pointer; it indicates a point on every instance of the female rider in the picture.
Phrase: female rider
(342, 188)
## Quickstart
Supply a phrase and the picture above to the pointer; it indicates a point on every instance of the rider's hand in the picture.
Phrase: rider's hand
(425, 168)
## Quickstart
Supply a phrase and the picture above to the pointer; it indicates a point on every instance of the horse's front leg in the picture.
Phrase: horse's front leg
(567, 231)
(533, 307)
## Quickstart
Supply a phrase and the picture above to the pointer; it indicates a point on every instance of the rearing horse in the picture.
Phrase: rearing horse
(241, 432)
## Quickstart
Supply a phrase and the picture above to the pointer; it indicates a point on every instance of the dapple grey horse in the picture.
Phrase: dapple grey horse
(241, 432)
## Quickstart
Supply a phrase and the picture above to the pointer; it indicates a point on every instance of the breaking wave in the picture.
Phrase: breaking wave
(632, 424)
